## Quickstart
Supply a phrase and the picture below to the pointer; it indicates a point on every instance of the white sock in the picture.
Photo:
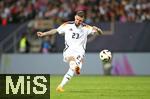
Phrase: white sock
(67, 77)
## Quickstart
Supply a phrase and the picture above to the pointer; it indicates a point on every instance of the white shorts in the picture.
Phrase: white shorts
(78, 57)
(69, 53)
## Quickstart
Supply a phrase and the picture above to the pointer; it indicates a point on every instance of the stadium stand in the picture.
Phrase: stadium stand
(14, 13)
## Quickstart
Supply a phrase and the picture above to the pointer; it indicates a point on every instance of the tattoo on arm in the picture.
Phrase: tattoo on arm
(99, 31)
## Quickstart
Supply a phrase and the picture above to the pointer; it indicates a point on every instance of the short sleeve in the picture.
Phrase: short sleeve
(90, 29)
(61, 28)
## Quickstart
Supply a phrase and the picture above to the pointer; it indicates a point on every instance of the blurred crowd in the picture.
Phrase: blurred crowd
(15, 11)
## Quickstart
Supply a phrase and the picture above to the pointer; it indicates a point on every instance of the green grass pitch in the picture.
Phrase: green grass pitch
(102, 87)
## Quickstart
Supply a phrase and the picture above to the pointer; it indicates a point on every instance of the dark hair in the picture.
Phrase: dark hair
(80, 13)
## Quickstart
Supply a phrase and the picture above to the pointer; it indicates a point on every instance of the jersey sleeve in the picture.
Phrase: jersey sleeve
(90, 29)
(61, 28)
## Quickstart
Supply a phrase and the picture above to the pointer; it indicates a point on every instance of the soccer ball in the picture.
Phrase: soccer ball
(105, 55)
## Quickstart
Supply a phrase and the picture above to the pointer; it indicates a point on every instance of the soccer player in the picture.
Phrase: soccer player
(76, 33)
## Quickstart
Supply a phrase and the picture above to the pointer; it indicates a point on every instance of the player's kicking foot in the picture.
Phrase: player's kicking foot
(59, 89)
(77, 70)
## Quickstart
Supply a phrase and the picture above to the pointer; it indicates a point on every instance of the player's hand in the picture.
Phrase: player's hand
(40, 34)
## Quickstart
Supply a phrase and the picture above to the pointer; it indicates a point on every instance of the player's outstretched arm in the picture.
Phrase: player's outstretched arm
(98, 30)
(51, 32)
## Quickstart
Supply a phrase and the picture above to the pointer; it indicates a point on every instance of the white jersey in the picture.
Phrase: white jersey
(75, 37)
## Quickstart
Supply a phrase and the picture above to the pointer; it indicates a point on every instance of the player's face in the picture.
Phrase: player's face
(78, 20)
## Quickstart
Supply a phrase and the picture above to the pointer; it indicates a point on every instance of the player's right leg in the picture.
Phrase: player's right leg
(59, 89)
(75, 66)
(66, 78)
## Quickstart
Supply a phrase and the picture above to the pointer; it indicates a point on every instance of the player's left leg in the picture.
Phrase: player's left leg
(79, 61)
(75, 63)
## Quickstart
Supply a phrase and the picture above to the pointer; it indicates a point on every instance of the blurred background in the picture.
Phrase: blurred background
(126, 24)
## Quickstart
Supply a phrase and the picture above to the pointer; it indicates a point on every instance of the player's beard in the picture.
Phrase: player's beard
(77, 25)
